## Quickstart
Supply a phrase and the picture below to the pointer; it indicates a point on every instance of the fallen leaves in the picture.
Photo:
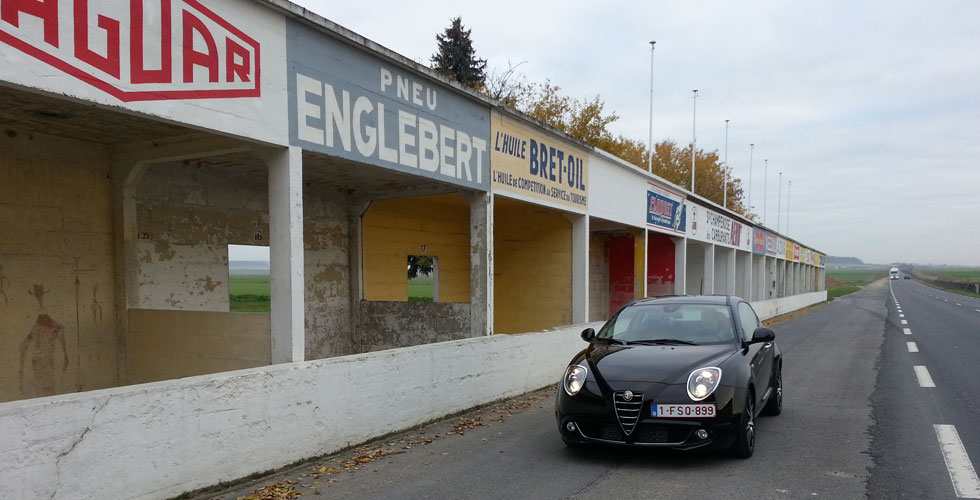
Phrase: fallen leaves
(465, 424)
(283, 490)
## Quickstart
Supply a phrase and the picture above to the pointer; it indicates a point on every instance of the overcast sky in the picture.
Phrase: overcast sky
(871, 108)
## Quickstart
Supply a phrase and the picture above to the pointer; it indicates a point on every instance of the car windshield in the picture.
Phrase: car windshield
(670, 324)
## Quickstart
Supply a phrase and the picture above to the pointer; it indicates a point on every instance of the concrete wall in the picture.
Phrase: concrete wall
(386, 325)
(395, 229)
(774, 307)
(326, 260)
(695, 268)
(532, 270)
(161, 439)
(661, 266)
(57, 290)
(173, 344)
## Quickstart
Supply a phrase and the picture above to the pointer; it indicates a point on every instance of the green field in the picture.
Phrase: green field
(961, 281)
(844, 281)
(420, 289)
(249, 293)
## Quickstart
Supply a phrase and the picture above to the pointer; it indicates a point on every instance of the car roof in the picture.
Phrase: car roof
(687, 299)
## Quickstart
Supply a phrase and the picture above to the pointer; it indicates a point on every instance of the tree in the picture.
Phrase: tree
(456, 57)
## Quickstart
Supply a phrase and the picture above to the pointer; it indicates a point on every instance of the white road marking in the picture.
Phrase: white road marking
(977, 310)
(907, 331)
(901, 315)
(961, 471)
(959, 304)
(922, 373)
(912, 347)
(905, 322)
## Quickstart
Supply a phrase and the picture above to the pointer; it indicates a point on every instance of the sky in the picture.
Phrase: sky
(870, 108)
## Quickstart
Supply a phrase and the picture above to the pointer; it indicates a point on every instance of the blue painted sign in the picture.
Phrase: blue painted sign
(348, 103)
(666, 212)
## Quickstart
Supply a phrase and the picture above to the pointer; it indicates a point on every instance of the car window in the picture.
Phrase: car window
(695, 323)
(748, 320)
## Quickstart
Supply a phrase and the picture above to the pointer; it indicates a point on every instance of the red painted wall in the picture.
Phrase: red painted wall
(660, 265)
(620, 251)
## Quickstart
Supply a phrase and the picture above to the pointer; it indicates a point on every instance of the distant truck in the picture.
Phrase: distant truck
(893, 273)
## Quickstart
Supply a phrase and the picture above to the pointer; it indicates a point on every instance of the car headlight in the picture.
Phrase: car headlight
(702, 382)
(574, 379)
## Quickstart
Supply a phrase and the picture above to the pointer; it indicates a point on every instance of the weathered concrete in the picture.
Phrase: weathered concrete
(286, 254)
(158, 440)
(774, 307)
(387, 325)
(481, 262)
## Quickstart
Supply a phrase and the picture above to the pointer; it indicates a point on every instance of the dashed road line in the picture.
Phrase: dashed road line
(959, 304)
(912, 347)
(901, 315)
(961, 471)
(904, 322)
(922, 373)
(907, 331)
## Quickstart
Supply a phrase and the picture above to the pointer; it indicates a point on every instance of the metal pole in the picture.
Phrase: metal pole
(788, 190)
(694, 137)
(751, 150)
(650, 141)
(765, 191)
(779, 204)
(724, 173)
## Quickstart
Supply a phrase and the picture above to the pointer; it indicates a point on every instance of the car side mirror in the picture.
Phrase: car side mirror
(588, 335)
(763, 334)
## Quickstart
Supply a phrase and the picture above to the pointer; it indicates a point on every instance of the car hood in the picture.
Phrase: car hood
(656, 364)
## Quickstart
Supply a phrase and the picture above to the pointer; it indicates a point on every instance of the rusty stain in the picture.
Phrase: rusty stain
(96, 307)
(163, 250)
(146, 258)
(208, 284)
(45, 335)
(38, 292)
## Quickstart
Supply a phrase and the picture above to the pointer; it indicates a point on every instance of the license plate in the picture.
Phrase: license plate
(683, 411)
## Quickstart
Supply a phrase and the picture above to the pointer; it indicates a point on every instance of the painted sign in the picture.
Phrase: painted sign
(137, 50)
(788, 250)
(780, 248)
(772, 245)
(348, 103)
(665, 210)
(713, 227)
(758, 241)
(537, 165)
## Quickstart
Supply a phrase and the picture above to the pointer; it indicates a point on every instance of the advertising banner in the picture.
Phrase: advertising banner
(665, 210)
(772, 245)
(758, 241)
(796, 252)
(351, 104)
(537, 165)
(188, 61)
(713, 227)
(781, 248)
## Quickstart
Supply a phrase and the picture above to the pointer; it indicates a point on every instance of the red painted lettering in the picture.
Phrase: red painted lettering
(108, 63)
(192, 57)
(47, 10)
(137, 68)
(234, 52)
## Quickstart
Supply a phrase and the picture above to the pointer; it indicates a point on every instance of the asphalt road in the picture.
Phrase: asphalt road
(829, 442)
(945, 329)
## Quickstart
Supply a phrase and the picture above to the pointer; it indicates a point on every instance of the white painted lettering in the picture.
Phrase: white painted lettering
(463, 153)
(402, 84)
(480, 146)
(305, 109)
(430, 99)
(385, 153)
(385, 79)
(368, 142)
(446, 166)
(417, 93)
(406, 120)
(428, 145)
(336, 116)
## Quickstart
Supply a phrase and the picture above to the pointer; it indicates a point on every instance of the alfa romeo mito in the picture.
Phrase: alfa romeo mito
(685, 373)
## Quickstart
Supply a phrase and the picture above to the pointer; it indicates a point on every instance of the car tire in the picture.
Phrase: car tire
(744, 444)
(775, 404)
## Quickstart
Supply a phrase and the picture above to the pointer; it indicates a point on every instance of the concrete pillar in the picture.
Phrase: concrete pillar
(730, 274)
(286, 254)
(640, 262)
(481, 262)
(709, 270)
(580, 268)
(680, 265)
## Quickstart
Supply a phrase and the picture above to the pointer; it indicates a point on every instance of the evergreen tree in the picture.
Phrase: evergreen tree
(456, 57)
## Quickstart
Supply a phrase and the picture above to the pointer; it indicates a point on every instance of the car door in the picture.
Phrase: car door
(760, 355)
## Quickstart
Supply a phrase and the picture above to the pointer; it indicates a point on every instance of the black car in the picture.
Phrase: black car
(677, 372)
(907, 277)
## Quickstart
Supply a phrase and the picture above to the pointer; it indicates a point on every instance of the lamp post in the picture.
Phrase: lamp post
(779, 204)
(650, 140)
(789, 189)
(751, 150)
(724, 173)
(694, 137)
(765, 191)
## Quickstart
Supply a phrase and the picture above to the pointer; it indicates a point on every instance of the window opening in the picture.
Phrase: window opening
(248, 279)
(423, 278)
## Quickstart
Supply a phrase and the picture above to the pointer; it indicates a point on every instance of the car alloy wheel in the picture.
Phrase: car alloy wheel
(745, 439)
(775, 404)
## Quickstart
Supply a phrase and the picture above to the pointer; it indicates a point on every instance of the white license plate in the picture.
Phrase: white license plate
(683, 411)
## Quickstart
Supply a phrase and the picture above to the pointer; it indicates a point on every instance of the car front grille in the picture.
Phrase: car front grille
(628, 412)
(644, 433)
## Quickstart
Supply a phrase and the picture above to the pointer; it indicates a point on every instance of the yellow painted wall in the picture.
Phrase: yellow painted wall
(395, 229)
(639, 263)
(532, 271)
(56, 267)
(171, 344)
